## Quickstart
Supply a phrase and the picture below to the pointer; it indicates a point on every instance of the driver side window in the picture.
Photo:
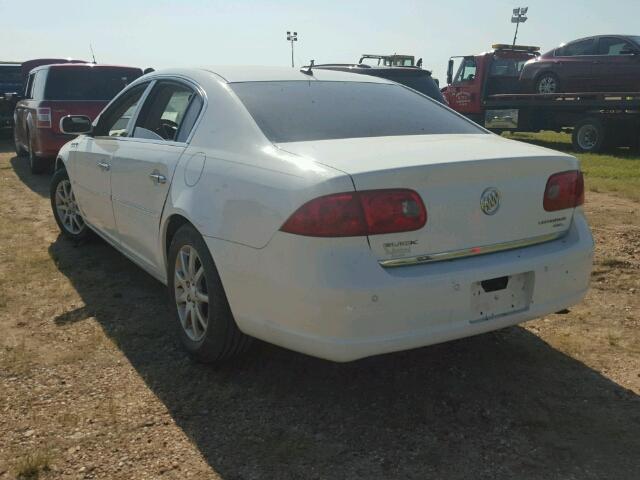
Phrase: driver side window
(467, 71)
(115, 120)
(164, 111)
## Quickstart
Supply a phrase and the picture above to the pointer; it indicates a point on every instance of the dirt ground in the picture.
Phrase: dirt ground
(94, 384)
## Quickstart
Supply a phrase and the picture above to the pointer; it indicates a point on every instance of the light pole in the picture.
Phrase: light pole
(518, 17)
(292, 37)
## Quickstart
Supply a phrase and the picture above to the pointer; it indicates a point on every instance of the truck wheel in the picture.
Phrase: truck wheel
(37, 164)
(547, 83)
(20, 152)
(588, 136)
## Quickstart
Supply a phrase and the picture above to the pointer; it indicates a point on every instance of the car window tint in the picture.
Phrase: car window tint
(581, 47)
(614, 46)
(115, 120)
(163, 111)
(189, 119)
(467, 71)
(88, 83)
(292, 111)
(28, 92)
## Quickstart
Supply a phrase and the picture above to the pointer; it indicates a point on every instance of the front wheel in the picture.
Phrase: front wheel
(65, 208)
(207, 327)
(547, 83)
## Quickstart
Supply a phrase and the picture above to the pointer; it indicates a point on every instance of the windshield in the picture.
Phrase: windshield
(294, 111)
(88, 83)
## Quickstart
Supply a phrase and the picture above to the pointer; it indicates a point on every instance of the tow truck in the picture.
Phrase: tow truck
(394, 60)
(486, 89)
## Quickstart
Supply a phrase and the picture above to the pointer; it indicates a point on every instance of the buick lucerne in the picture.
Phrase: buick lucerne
(330, 213)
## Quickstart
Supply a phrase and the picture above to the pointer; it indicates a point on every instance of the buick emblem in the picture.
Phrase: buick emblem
(490, 201)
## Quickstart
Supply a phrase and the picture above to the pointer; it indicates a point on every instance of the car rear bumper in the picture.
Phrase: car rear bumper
(331, 299)
(48, 143)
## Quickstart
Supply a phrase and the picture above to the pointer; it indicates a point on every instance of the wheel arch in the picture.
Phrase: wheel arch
(541, 73)
(171, 225)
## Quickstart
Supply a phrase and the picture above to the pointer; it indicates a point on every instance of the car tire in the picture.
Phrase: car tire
(37, 165)
(589, 136)
(20, 152)
(65, 209)
(547, 83)
(207, 328)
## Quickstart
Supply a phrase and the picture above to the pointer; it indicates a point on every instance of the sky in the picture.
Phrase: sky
(170, 33)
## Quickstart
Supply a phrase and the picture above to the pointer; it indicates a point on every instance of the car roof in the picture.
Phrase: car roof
(233, 74)
(82, 65)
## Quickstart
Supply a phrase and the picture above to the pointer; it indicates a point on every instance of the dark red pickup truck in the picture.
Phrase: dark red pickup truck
(54, 91)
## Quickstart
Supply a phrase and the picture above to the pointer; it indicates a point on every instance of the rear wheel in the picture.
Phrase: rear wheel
(20, 152)
(547, 83)
(37, 164)
(65, 208)
(207, 328)
(589, 135)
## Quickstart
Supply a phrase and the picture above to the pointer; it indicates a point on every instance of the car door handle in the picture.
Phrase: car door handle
(104, 166)
(157, 178)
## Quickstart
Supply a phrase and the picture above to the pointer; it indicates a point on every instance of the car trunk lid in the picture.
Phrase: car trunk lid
(451, 173)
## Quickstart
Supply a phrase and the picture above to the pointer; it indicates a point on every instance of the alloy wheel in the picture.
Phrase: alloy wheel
(67, 208)
(547, 84)
(191, 293)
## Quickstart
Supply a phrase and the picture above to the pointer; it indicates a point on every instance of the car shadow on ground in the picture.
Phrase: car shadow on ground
(37, 183)
(500, 405)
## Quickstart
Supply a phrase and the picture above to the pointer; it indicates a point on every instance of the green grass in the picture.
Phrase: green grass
(617, 171)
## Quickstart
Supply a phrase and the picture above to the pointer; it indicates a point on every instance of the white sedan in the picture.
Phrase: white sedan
(328, 213)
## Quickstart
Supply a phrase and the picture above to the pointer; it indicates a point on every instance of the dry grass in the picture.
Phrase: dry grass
(32, 464)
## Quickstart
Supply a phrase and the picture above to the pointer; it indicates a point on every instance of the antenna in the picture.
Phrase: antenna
(308, 71)
(92, 54)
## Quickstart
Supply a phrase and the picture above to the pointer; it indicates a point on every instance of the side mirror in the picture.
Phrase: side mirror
(450, 72)
(75, 125)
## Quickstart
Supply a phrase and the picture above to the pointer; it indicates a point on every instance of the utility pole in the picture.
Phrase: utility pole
(518, 17)
(292, 37)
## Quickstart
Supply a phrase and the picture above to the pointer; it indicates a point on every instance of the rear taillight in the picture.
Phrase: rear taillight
(43, 117)
(564, 190)
(351, 214)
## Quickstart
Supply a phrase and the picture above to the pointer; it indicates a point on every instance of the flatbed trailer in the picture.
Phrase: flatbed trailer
(596, 120)
(486, 89)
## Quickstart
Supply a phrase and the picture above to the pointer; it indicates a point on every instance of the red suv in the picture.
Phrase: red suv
(54, 91)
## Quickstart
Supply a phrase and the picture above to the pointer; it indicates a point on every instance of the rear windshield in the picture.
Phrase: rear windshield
(295, 111)
(70, 83)
(10, 75)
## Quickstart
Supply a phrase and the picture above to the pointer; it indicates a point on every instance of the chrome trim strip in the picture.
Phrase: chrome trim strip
(469, 252)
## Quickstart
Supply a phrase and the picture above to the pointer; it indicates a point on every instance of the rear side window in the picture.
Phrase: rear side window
(293, 111)
(614, 46)
(88, 83)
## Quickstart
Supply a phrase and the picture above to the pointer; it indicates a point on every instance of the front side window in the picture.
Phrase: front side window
(467, 71)
(294, 111)
(581, 47)
(614, 46)
(115, 120)
(164, 112)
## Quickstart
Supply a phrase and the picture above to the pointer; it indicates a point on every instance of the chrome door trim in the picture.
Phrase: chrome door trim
(470, 252)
